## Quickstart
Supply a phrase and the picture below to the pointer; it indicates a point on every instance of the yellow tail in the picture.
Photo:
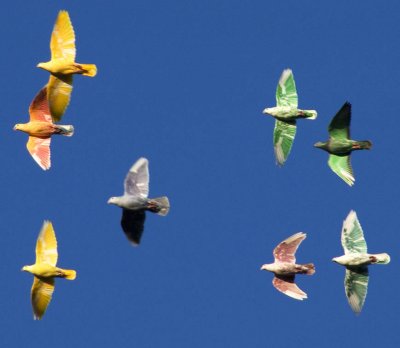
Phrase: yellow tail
(89, 69)
(69, 274)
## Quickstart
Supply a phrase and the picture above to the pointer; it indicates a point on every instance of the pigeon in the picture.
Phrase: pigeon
(135, 201)
(340, 145)
(45, 270)
(286, 113)
(285, 267)
(62, 66)
(356, 260)
(40, 129)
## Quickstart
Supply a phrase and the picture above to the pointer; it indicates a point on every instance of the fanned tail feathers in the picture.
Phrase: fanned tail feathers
(89, 69)
(382, 259)
(310, 268)
(160, 205)
(69, 274)
(66, 130)
(310, 114)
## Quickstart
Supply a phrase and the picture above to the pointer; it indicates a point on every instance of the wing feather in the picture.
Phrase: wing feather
(356, 286)
(137, 179)
(286, 250)
(62, 43)
(39, 108)
(59, 91)
(352, 235)
(39, 148)
(339, 128)
(41, 294)
(286, 94)
(284, 134)
(341, 165)
(286, 285)
(46, 245)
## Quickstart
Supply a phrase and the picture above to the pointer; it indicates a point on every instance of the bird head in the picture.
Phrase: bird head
(26, 268)
(319, 144)
(44, 66)
(113, 200)
(17, 127)
(266, 267)
(267, 111)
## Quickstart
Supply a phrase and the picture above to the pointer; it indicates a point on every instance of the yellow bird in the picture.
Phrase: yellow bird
(62, 66)
(45, 270)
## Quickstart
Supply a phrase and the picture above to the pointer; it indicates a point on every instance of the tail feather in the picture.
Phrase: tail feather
(382, 259)
(310, 268)
(364, 144)
(66, 130)
(159, 205)
(89, 69)
(69, 274)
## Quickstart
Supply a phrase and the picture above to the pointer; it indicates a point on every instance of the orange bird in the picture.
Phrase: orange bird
(40, 129)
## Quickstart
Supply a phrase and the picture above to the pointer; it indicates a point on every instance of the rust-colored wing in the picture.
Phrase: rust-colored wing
(286, 285)
(286, 250)
(39, 108)
(39, 148)
(59, 91)
(41, 293)
(62, 44)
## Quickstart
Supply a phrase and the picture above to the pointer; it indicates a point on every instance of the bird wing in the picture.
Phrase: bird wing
(341, 166)
(339, 128)
(352, 235)
(137, 179)
(284, 133)
(62, 43)
(286, 94)
(286, 250)
(59, 91)
(46, 245)
(356, 286)
(39, 108)
(286, 285)
(41, 293)
(39, 148)
(132, 223)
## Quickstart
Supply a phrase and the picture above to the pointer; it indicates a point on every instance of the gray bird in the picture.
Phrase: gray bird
(135, 201)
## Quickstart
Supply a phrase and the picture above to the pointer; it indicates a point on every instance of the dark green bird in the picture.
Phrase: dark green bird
(340, 145)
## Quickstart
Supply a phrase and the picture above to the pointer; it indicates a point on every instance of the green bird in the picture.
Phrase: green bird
(340, 145)
(356, 260)
(286, 113)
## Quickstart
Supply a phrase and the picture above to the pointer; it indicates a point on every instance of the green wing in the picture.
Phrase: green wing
(286, 94)
(339, 127)
(341, 166)
(284, 134)
(352, 235)
(356, 286)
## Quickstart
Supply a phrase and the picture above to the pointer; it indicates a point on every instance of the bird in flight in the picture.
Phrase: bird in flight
(40, 128)
(356, 260)
(285, 267)
(135, 201)
(339, 146)
(44, 270)
(286, 113)
(62, 66)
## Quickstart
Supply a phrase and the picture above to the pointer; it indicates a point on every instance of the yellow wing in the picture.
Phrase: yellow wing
(59, 91)
(62, 44)
(41, 293)
(46, 245)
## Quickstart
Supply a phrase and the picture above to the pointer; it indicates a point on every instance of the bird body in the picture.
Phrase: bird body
(285, 267)
(45, 270)
(356, 259)
(62, 66)
(135, 201)
(339, 145)
(286, 113)
(40, 128)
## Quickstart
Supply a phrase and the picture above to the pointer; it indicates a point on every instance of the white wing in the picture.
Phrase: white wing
(137, 179)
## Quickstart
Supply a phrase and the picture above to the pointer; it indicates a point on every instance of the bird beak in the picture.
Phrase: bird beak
(15, 128)
(39, 65)
(109, 201)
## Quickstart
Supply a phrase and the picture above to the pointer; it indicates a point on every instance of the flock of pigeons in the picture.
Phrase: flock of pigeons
(50, 104)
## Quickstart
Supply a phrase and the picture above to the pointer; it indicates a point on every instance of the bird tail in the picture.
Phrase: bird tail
(89, 69)
(159, 205)
(69, 274)
(382, 259)
(310, 114)
(364, 144)
(66, 130)
(310, 268)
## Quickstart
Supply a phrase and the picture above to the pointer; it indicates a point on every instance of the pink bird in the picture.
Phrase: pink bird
(40, 129)
(285, 267)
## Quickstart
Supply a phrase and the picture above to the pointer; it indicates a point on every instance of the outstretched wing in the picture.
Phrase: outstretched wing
(341, 166)
(46, 245)
(39, 108)
(39, 148)
(137, 179)
(41, 293)
(62, 43)
(132, 223)
(339, 128)
(286, 94)
(284, 134)
(286, 250)
(286, 285)
(59, 91)
(352, 235)
(356, 286)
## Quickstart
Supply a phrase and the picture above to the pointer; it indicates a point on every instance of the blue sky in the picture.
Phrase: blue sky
(183, 83)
